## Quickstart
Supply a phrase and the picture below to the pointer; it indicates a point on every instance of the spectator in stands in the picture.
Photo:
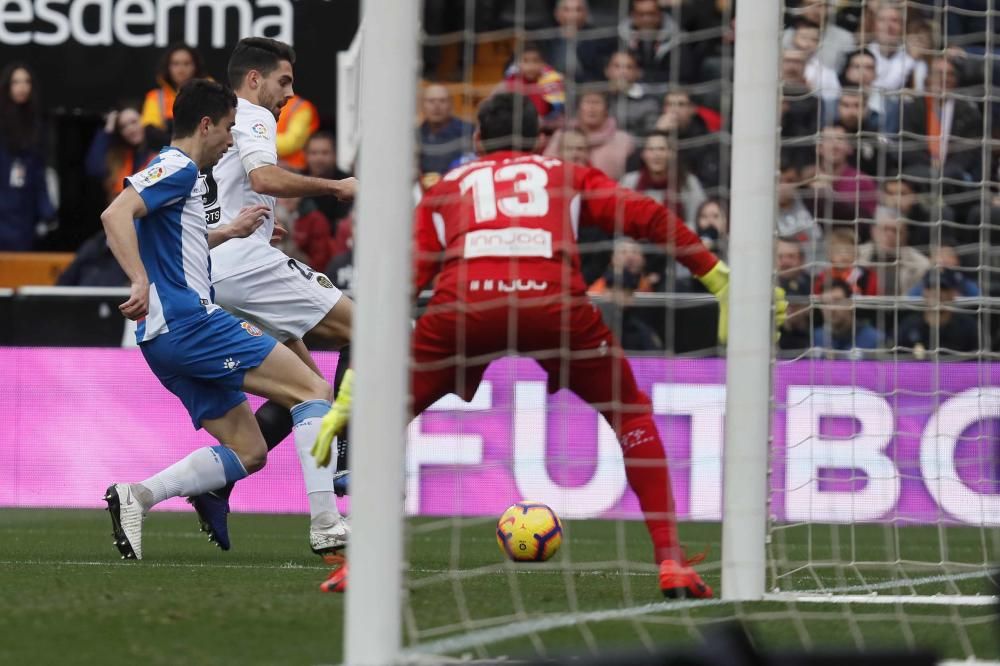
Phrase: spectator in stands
(894, 67)
(793, 67)
(579, 56)
(94, 266)
(534, 78)
(801, 112)
(945, 256)
(321, 162)
(800, 109)
(901, 193)
(298, 121)
(608, 146)
(795, 220)
(626, 273)
(710, 56)
(852, 193)
(662, 176)
(711, 223)
(968, 24)
(573, 147)
(883, 106)
(842, 255)
(180, 63)
(794, 278)
(340, 270)
(696, 128)
(652, 35)
(941, 132)
(922, 39)
(25, 206)
(939, 329)
(822, 79)
(625, 276)
(841, 330)
(443, 137)
(871, 144)
(634, 109)
(122, 147)
(835, 42)
(898, 266)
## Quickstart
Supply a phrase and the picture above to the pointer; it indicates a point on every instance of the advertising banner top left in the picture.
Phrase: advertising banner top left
(90, 55)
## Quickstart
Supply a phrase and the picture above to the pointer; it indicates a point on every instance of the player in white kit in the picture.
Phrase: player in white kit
(255, 281)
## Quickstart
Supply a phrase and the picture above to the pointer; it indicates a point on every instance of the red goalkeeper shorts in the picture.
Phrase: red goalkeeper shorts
(452, 346)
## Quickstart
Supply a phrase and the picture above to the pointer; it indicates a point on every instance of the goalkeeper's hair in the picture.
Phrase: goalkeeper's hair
(508, 121)
(257, 53)
(197, 99)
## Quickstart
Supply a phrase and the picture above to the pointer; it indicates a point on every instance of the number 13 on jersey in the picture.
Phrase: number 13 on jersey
(530, 198)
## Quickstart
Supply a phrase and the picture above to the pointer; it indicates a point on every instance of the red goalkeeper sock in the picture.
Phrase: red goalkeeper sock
(646, 470)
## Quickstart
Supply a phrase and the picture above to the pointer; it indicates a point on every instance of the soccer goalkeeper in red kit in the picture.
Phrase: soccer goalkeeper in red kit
(499, 235)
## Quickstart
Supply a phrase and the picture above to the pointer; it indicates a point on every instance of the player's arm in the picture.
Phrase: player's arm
(619, 210)
(616, 209)
(275, 181)
(118, 219)
(243, 225)
(428, 248)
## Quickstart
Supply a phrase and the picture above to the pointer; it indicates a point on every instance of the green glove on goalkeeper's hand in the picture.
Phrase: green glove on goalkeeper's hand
(334, 422)
(717, 282)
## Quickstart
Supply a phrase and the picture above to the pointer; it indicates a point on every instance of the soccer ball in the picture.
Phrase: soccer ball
(529, 532)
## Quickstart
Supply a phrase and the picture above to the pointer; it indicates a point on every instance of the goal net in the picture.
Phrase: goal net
(878, 461)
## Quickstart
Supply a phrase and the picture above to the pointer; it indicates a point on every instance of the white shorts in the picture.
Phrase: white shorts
(286, 298)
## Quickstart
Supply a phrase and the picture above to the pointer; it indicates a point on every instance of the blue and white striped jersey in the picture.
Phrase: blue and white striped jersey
(173, 242)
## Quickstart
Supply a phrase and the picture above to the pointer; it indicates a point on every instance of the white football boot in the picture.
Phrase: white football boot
(126, 520)
(329, 534)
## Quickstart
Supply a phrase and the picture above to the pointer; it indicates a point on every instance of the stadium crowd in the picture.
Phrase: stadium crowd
(888, 181)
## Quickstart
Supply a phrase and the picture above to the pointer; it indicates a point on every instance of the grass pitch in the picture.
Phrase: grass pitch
(66, 598)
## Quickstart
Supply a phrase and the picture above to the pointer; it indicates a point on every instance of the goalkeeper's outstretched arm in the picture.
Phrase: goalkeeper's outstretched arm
(619, 210)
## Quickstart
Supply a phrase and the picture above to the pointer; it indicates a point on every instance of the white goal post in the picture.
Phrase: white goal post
(756, 134)
(373, 634)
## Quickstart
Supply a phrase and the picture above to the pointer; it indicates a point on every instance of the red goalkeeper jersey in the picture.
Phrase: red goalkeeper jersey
(508, 222)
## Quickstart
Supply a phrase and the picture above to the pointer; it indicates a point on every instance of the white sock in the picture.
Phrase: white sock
(307, 417)
(208, 468)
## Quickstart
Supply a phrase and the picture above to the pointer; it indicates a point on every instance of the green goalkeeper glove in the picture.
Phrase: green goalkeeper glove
(717, 282)
(334, 421)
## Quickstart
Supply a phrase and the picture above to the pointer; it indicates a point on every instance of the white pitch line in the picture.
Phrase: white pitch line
(888, 599)
(163, 565)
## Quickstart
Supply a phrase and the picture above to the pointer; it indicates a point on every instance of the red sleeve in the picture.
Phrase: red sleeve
(618, 210)
(427, 247)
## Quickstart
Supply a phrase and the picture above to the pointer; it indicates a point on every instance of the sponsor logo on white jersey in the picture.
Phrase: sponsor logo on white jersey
(509, 242)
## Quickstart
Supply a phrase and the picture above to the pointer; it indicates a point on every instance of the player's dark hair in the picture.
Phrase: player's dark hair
(197, 99)
(163, 71)
(508, 121)
(257, 53)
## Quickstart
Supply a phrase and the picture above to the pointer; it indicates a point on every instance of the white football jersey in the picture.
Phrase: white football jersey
(254, 145)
